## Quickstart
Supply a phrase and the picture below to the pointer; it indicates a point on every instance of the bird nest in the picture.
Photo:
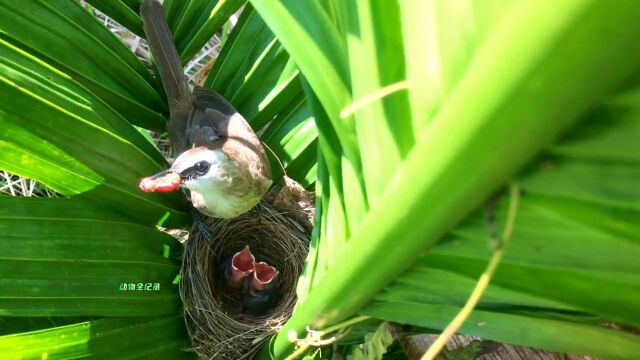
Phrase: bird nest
(276, 234)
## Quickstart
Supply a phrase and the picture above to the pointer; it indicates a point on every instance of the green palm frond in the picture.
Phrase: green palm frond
(481, 101)
(407, 116)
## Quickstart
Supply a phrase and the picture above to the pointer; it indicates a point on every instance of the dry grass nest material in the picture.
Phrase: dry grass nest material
(218, 331)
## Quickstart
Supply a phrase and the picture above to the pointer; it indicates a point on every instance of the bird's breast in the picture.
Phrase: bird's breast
(223, 205)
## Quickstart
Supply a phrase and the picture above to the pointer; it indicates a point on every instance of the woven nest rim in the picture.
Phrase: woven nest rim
(274, 236)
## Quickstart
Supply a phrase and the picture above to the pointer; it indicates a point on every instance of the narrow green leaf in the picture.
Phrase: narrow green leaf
(311, 268)
(255, 73)
(223, 9)
(374, 43)
(305, 30)
(290, 134)
(74, 257)
(246, 43)
(28, 72)
(329, 144)
(44, 162)
(309, 38)
(608, 137)
(286, 93)
(13, 325)
(376, 343)
(567, 255)
(440, 39)
(49, 107)
(133, 4)
(554, 335)
(272, 73)
(44, 29)
(192, 16)
(426, 284)
(613, 183)
(121, 12)
(162, 337)
(476, 143)
(304, 168)
(174, 9)
(562, 250)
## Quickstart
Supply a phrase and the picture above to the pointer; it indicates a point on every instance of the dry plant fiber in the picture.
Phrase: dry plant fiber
(216, 328)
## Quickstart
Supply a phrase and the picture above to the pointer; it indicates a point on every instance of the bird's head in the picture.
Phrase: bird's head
(194, 169)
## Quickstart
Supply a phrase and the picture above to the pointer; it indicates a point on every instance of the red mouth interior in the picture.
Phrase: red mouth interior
(243, 260)
(265, 273)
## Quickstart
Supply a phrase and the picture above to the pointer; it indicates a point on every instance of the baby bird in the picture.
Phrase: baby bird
(262, 293)
(253, 283)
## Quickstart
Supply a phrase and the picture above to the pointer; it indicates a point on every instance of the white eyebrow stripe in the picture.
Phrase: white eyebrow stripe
(189, 158)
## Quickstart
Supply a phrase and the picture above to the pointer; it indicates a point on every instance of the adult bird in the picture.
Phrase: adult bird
(219, 157)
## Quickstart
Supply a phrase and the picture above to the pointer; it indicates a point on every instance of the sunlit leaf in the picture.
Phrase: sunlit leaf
(44, 28)
(73, 259)
(73, 128)
(160, 337)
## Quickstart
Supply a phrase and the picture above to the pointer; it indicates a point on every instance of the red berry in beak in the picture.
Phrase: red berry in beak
(165, 181)
(147, 184)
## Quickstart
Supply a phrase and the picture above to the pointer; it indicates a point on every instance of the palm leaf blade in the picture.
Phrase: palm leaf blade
(480, 131)
(123, 80)
(549, 334)
(161, 337)
(73, 258)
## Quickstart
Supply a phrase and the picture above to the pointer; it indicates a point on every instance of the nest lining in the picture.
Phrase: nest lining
(216, 328)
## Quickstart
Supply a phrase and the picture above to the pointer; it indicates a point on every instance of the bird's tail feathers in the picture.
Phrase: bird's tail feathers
(164, 53)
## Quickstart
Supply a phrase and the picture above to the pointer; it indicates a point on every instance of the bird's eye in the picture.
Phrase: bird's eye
(201, 167)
